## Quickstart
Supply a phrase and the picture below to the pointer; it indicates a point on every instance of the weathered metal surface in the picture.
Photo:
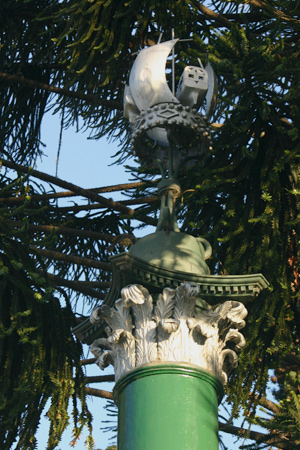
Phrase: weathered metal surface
(174, 251)
(192, 86)
(211, 96)
(147, 80)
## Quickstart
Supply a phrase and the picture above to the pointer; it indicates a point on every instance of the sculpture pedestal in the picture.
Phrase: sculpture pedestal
(168, 406)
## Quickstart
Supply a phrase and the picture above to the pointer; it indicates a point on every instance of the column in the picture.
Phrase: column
(171, 356)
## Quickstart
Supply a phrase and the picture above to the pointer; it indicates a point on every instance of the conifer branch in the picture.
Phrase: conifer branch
(99, 379)
(239, 431)
(113, 104)
(285, 122)
(84, 287)
(212, 15)
(279, 441)
(265, 403)
(85, 362)
(66, 185)
(88, 207)
(59, 281)
(271, 10)
(64, 231)
(87, 262)
(110, 204)
(244, 17)
(100, 190)
(99, 393)
(268, 404)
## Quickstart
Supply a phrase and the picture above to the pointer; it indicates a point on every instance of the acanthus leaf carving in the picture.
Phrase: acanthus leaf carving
(164, 305)
(145, 329)
(185, 301)
(174, 329)
(134, 294)
(166, 325)
(236, 314)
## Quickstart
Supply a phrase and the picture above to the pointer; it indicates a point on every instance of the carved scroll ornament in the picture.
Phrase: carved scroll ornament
(173, 328)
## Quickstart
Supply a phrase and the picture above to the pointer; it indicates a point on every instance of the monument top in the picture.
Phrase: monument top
(162, 118)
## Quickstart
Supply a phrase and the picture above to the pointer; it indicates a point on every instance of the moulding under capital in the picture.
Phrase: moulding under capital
(173, 328)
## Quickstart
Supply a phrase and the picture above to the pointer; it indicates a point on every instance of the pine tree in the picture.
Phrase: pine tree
(73, 57)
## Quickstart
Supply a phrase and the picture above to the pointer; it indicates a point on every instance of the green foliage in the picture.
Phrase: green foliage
(37, 351)
(39, 355)
(283, 424)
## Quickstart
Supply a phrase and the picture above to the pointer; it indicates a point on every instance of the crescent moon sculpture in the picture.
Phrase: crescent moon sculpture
(147, 80)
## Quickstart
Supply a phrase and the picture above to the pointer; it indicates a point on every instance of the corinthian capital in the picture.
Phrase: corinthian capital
(174, 328)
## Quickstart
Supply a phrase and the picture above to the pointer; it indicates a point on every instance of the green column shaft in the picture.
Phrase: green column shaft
(168, 406)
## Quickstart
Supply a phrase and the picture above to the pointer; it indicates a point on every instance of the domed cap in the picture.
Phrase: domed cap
(174, 251)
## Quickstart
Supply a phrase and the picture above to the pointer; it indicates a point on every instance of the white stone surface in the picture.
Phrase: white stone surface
(172, 329)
